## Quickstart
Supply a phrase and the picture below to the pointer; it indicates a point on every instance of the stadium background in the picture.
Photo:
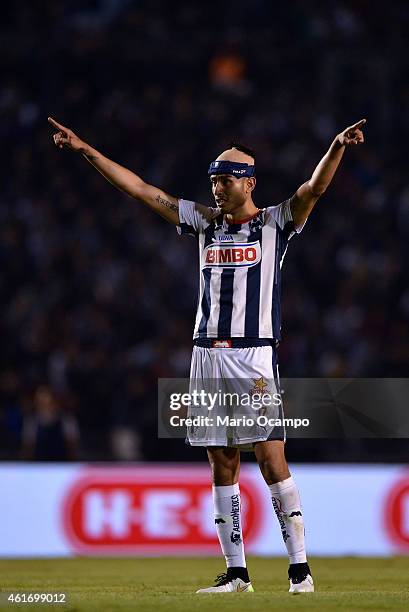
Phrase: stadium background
(98, 294)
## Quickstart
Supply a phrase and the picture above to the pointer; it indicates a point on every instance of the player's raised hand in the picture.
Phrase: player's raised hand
(353, 134)
(65, 138)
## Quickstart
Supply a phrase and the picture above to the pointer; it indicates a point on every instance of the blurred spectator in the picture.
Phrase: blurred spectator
(227, 71)
(49, 434)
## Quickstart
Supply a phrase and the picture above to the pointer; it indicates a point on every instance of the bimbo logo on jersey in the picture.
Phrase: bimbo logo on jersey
(231, 255)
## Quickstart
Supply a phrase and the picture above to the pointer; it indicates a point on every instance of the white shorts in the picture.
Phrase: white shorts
(250, 373)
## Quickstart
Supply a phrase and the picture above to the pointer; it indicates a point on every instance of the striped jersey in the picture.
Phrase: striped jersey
(240, 269)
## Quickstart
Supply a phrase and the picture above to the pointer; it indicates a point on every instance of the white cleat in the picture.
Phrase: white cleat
(228, 585)
(305, 586)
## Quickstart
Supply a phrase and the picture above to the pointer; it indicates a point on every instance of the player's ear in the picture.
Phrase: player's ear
(251, 183)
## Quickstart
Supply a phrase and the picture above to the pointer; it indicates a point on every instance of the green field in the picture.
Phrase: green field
(169, 584)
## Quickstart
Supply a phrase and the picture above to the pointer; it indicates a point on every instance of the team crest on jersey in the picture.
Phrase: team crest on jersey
(257, 223)
(231, 255)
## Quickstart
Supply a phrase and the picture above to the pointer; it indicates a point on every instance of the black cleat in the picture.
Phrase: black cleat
(299, 575)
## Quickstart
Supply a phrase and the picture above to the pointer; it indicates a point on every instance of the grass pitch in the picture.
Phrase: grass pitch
(169, 584)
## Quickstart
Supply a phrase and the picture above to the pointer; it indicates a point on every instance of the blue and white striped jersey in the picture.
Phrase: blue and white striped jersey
(240, 270)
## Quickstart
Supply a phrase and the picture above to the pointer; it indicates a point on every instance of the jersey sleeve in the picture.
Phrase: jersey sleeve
(281, 216)
(194, 218)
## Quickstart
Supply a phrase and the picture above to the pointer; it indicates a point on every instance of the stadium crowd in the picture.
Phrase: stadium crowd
(97, 293)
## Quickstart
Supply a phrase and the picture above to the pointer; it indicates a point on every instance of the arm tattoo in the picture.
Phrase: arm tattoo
(89, 157)
(166, 203)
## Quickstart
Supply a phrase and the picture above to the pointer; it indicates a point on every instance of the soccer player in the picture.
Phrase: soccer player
(237, 325)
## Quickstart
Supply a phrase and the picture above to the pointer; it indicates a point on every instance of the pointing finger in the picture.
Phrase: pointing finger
(56, 125)
(358, 124)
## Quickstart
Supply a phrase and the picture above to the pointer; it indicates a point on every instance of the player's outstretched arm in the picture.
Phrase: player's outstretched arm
(303, 201)
(165, 205)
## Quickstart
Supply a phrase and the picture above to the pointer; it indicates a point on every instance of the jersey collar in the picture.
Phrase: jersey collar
(241, 221)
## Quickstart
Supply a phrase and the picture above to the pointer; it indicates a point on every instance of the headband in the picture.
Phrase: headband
(227, 167)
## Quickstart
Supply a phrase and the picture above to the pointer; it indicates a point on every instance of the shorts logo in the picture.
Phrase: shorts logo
(260, 389)
(245, 254)
(260, 386)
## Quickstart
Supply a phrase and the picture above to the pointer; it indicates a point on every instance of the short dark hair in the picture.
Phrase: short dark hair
(243, 149)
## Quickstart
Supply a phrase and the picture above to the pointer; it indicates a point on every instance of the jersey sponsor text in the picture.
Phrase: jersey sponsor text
(229, 256)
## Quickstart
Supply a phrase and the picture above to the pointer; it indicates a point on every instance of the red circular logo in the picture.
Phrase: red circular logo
(396, 514)
(148, 509)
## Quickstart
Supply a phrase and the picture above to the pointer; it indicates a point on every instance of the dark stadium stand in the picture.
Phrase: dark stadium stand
(98, 295)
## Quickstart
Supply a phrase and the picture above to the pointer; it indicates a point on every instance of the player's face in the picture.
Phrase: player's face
(229, 192)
